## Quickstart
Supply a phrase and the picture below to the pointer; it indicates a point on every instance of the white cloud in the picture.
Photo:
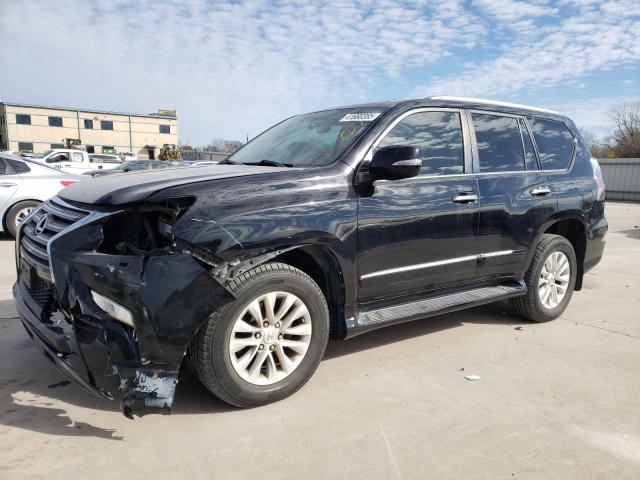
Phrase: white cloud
(513, 10)
(592, 37)
(229, 67)
(232, 67)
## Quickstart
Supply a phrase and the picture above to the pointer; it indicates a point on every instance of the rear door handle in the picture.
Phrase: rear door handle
(465, 198)
(7, 184)
(540, 191)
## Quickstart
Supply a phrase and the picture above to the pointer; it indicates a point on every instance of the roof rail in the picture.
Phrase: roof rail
(491, 102)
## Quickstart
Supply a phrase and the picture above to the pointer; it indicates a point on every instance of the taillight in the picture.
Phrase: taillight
(66, 183)
(597, 176)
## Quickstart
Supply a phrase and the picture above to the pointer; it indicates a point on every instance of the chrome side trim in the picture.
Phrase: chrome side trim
(437, 263)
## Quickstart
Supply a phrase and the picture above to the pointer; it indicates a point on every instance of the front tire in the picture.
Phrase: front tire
(550, 280)
(266, 344)
(18, 213)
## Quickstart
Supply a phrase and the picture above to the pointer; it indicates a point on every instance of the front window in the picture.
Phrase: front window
(439, 136)
(44, 154)
(311, 140)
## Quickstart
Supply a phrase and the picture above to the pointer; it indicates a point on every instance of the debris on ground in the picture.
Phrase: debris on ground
(519, 328)
(472, 378)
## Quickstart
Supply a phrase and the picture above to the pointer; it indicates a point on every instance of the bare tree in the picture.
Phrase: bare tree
(599, 148)
(222, 145)
(626, 137)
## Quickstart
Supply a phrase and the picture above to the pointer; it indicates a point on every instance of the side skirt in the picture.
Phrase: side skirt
(367, 320)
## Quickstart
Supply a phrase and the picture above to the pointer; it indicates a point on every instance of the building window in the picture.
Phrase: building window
(57, 145)
(106, 125)
(165, 129)
(90, 148)
(25, 146)
(22, 119)
(55, 121)
(88, 124)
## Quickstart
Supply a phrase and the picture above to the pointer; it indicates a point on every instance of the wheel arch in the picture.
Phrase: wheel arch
(573, 229)
(322, 265)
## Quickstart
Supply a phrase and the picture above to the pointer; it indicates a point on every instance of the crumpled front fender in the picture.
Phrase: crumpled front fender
(169, 295)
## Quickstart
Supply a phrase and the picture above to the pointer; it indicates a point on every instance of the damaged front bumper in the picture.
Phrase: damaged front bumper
(169, 295)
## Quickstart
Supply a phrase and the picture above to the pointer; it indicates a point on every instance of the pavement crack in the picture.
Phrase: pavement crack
(607, 329)
(392, 458)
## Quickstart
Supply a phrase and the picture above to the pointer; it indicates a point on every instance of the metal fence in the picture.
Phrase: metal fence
(199, 155)
(621, 178)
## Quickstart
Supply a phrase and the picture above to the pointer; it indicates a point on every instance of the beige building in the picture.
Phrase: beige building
(37, 128)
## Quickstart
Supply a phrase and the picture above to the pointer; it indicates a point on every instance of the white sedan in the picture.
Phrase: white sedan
(25, 184)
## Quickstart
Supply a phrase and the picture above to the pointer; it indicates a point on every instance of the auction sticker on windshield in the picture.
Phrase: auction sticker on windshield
(360, 117)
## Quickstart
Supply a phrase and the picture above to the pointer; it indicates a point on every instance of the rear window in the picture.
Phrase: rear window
(499, 143)
(555, 143)
(17, 166)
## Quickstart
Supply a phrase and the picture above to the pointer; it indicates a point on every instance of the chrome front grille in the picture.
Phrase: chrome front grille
(33, 246)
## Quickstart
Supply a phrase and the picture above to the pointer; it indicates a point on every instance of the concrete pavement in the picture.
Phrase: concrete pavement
(559, 400)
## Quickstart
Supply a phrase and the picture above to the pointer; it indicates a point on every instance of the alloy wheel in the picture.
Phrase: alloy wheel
(554, 280)
(270, 338)
(22, 214)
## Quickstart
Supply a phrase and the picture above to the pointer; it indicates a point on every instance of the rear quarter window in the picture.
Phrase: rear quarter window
(16, 166)
(555, 143)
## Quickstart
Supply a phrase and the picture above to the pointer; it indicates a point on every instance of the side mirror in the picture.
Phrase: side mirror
(395, 162)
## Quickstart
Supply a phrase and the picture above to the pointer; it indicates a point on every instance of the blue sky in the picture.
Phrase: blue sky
(232, 68)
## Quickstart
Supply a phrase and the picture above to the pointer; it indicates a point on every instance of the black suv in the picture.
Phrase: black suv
(329, 224)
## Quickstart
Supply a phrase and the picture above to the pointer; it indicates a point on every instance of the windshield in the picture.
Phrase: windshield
(44, 154)
(311, 140)
(129, 164)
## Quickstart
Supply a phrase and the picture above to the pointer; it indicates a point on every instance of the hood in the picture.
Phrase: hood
(131, 187)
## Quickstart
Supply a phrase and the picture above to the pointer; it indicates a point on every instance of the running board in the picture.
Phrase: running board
(372, 319)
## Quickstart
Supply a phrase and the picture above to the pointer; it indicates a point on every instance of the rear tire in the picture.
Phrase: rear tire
(17, 213)
(266, 344)
(550, 280)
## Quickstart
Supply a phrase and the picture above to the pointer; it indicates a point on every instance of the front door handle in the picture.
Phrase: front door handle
(540, 191)
(7, 184)
(465, 197)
